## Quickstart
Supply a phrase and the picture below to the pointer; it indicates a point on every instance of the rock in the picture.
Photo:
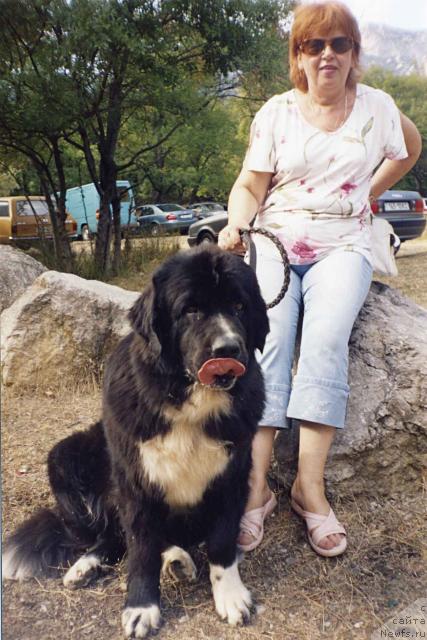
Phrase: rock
(18, 271)
(61, 330)
(383, 448)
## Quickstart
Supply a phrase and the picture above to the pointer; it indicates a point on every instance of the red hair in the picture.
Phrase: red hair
(319, 19)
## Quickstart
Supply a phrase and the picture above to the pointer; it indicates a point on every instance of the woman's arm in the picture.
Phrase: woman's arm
(390, 171)
(246, 197)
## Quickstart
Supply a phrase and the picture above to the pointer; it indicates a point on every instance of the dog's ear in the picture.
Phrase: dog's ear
(143, 318)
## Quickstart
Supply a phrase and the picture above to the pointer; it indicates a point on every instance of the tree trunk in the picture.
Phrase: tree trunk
(108, 189)
(103, 236)
(117, 252)
(61, 241)
(110, 204)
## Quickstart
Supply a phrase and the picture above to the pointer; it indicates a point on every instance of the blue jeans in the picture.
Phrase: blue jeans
(330, 293)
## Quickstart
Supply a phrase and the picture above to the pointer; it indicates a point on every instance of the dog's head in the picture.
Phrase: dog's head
(202, 315)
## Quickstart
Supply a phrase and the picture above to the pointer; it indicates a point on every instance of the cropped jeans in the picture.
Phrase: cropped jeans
(330, 294)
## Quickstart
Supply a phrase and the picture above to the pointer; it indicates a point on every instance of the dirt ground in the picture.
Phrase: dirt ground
(297, 594)
(412, 267)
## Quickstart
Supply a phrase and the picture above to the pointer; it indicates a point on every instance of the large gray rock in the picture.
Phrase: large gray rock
(61, 330)
(383, 447)
(18, 271)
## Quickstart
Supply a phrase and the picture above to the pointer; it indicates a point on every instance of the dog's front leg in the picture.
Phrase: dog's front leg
(142, 613)
(232, 598)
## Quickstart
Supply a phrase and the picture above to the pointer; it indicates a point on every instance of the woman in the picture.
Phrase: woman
(309, 174)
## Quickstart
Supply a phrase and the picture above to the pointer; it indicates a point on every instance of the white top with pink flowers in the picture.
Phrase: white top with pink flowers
(318, 198)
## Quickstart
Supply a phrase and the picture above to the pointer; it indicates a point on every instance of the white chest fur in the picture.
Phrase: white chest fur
(184, 461)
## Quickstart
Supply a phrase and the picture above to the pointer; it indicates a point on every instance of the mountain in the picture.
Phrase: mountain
(397, 50)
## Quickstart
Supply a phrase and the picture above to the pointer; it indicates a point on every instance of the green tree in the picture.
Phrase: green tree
(199, 161)
(31, 125)
(409, 92)
(89, 66)
(203, 157)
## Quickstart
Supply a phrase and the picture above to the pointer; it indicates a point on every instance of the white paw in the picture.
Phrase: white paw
(138, 621)
(232, 599)
(176, 554)
(82, 571)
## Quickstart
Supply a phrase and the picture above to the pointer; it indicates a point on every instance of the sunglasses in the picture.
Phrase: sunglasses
(314, 46)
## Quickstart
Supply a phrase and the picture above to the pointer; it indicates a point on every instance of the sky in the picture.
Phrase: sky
(406, 14)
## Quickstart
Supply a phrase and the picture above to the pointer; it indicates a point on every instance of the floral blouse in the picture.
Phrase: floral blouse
(318, 198)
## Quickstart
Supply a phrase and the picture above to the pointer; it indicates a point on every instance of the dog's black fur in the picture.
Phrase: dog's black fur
(169, 463)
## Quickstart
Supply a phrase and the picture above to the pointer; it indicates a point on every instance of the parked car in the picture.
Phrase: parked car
(404, 210)
(155, 219)
(25, 218)
(83, 204)
(206, 209)
(206, 230)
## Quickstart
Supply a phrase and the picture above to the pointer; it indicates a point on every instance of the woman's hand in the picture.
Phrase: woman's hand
(229, 239)
(246, 197)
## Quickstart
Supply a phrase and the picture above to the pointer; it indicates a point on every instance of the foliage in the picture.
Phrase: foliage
(77, 73)
(200, 161)
(409, 92)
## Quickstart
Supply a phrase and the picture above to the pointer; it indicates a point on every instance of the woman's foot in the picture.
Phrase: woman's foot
(261, 503)
(310, 497)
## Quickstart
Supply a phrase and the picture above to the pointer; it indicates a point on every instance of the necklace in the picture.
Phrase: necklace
(337, 124)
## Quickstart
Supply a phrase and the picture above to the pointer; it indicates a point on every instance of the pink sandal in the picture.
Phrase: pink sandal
(319, 527)
(252, 522)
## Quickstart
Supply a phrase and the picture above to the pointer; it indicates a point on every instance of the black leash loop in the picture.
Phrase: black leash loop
(246, 237)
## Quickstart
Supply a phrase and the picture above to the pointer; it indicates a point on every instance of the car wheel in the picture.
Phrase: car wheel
(154, 230)
(206, 238)
(86, 234)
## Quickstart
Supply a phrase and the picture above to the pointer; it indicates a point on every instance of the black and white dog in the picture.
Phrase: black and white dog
(168, 465)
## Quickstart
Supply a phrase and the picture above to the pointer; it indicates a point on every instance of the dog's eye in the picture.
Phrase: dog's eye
(192, 310)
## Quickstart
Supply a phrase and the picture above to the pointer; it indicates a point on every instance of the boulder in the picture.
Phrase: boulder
(61, 330)
(18, 271)
(383, 448)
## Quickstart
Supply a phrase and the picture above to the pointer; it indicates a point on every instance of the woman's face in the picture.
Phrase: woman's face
(327, 70)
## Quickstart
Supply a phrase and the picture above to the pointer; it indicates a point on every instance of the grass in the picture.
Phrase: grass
(139, 257)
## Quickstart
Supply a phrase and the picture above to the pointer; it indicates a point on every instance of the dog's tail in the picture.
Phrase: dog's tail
(40, 546)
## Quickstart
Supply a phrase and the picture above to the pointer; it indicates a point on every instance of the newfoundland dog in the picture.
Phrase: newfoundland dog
(167, 467)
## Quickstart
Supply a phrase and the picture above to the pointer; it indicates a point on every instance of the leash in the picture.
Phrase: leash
(246, 237)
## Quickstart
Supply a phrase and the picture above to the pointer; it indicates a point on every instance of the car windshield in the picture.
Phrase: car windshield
(31, 208)
(170, 207)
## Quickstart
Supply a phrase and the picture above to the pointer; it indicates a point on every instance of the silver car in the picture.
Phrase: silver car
(156, 219)
(206, 209)
(206, 231)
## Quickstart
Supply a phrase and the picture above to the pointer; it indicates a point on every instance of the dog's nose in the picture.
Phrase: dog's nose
(226, 347)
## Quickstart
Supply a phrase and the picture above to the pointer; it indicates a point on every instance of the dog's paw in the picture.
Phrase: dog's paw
(232, 599)
(138, 621)
(176, 554)
(82, 571)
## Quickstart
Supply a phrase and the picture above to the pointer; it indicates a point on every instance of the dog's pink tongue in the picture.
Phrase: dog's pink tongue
(220, 367)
